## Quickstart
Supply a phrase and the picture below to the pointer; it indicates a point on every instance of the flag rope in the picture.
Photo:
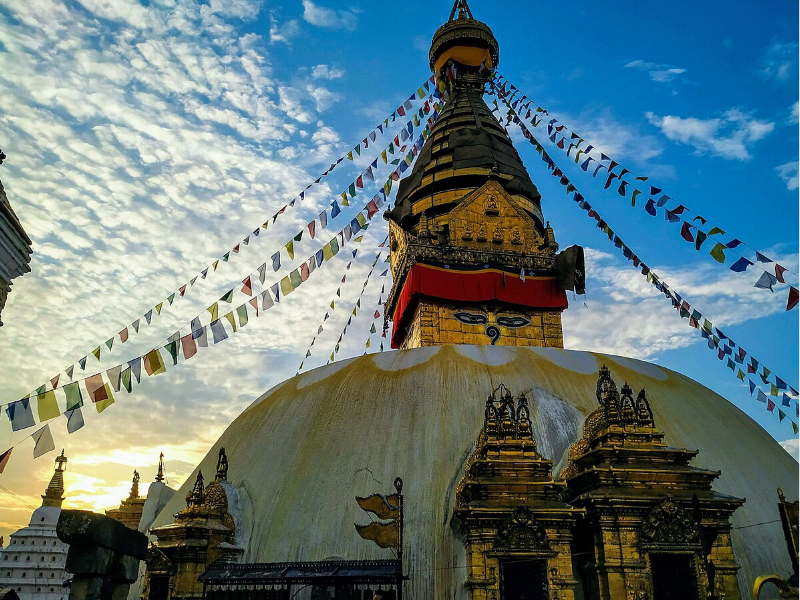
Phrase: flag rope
(127, 332)
(698, 237)
(708, 331)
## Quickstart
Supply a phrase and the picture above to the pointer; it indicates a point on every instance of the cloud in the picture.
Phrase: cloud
(282, 32)
(792, 446)
(651, 325)
(779, 62)
(658, 72)
(326, 72)
(727, 136)
(789, 173)
(330, 18)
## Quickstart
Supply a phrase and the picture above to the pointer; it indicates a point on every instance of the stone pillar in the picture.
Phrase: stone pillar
(103, 555)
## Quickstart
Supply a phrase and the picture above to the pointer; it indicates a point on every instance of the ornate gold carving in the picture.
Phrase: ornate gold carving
(669, 524)
(491, 206)
(467, 236)
(481, 237)
(522, 532)
(497, 235)
(516, 237)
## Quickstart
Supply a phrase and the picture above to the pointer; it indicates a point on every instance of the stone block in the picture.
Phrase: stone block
(86, 528)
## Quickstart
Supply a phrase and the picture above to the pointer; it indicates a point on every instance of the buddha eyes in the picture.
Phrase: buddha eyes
(471, 318)
(513, 322)
(479, 319)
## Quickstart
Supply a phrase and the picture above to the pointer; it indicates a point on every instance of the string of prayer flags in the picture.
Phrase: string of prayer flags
(717, 340)
(717, 252)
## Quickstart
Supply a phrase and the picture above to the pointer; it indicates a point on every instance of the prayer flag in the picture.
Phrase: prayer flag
(172, 347)
(779, 271)
(73, 394)
(741, 265)
(95, 386)
(266, 302)
(218, 330)
(262, 272)
(766, 281)
(276, 261)
(228, 297)
(717, 253)
(4, 457)
(290, 249)
(323, 219)
(286, 286)
(241, 312)
(123, 336)
(312, 229)
(153, 363)
(126, 380)
(686, 232)
(20, 414)
(715, 231)
(247, 286)
(793, 298)
(232, 320)
(700, 238)
(43, 440)
(101, 405)
(47, 406)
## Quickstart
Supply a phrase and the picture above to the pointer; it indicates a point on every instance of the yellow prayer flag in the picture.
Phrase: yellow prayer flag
(327, 252)
(96, 353)
(350, 155)
(367, 344)
(354, 311)
(104, 404)
(421, 93)
(359, 238)
(232, 320)
(286, 286)
(383, 156)
(158, 307)
(47, 405)
(214, 310)
(362, 220)
(332, 306)
(153, 363)
(216, 262)
(290, 249)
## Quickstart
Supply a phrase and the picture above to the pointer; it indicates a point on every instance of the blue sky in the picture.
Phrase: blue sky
(146, 139)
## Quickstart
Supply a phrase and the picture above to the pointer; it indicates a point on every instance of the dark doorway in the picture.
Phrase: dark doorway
(524, 580)
(673, 577)
(159, 587)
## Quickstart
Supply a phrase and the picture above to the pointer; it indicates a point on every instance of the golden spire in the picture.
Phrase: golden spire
(160, 474)
(54, 494)
(135, 487)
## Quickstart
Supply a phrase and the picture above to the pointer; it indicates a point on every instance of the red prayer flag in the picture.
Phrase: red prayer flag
(770, 405)
(377, 314)
(236, 249)
(793, 298)
(686, 232)
(372, 208)
(254, 304)
(123, 336)
(401, 111)
(182, 290)
(360, 182)
(247, 286)
(54, 381)
(779, 271)
(4, 459)
(189, 346)
(304, 271)
(312, 228)
(96, 388)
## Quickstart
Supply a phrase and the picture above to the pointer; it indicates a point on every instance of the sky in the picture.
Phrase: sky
(146, 139)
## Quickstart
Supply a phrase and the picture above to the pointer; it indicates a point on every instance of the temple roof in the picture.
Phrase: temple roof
(466, 147)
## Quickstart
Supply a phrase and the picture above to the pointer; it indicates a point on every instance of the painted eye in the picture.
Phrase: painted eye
(471, 318)
(513, 322)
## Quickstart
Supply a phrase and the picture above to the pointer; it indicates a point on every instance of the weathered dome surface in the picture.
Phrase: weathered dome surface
(466, 146)
(300, 453)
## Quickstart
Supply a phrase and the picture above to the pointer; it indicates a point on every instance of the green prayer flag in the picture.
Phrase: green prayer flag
(716, 230)
(295, 278)
(241, 312)
(299, 236)
(717, 253)
(73, 393)
(228, 297)
(41, 389)
(47, 405)
(740, 375)
(125, 377)
(351, 189)
(633, 199)
(110, 342)
(372, 329)
(358, 304)
(781, 415)
(231, 320)
(358, 149)
(334, 246)
(794, 427)
(308, 353)
(170, 298)
(172, 348)
(773, 390)
(225, 256)
(339, 292)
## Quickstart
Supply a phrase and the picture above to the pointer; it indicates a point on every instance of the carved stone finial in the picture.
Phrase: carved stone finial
(628, 409)
(222, 465)
(605, 386)
(135, 486)
(523, 417)
(644, 414)
(160, 474)
(196, 496)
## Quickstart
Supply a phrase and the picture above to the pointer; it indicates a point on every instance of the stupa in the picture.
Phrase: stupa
(476, 302)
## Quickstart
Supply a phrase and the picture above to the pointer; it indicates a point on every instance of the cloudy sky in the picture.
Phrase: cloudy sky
(146, 139)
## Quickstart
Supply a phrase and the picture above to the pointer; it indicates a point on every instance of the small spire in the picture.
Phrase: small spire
(463, 10)
(222, 465)
(54, 494)
(160, 474)
(196, 496)
(135, 486)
